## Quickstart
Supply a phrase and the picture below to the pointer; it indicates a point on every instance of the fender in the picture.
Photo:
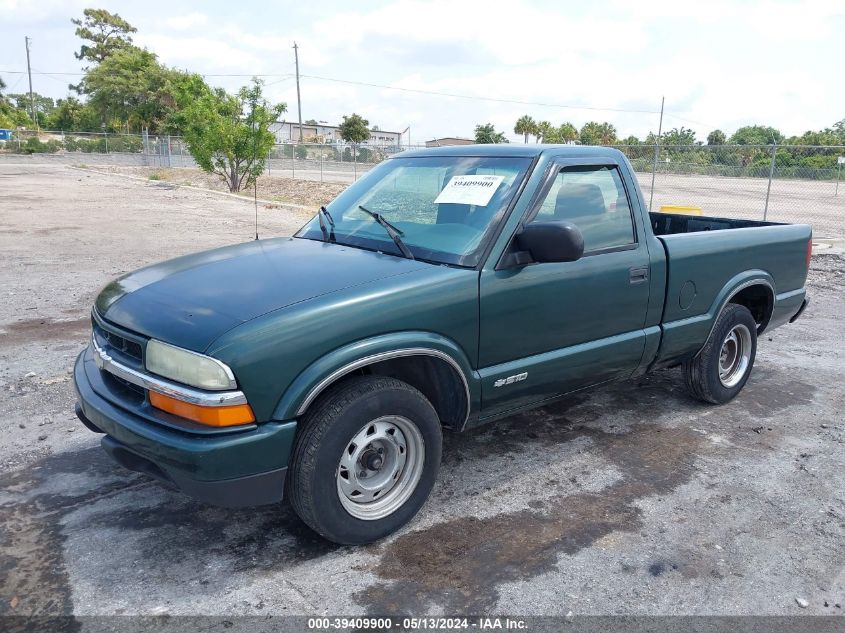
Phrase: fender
(735, 286)
(685, 338)
(323, 372)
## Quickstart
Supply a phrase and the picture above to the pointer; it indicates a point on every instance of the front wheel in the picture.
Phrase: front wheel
(721, 369)
(365, 459)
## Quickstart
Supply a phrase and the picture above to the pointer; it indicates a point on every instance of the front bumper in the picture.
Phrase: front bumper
(233, 468)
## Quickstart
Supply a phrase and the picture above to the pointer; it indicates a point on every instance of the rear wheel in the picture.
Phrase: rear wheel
(721, 369)
(365, 459)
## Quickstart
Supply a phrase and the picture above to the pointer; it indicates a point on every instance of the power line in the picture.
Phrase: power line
(80, 74)
(477, 98)
(412, 90)
(286, 76)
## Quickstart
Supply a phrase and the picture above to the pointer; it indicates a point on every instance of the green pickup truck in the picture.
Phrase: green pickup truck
(445, 289)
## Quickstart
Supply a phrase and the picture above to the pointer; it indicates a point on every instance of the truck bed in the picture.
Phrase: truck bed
(672, 224)
(709, 258)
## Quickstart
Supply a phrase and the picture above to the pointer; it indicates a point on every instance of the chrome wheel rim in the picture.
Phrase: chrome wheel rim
(380, 467)
(735, 356)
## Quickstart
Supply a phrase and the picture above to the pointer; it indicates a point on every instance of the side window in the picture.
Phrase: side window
(593, 199)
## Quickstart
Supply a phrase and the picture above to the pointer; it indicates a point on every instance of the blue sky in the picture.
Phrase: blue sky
(719, 64)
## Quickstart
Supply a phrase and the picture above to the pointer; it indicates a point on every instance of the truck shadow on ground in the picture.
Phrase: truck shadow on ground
(456, 564)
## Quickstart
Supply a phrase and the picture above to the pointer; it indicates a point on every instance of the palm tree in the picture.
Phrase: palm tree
(567, 133)
(543, 130)
(525, 125)
(607, 133)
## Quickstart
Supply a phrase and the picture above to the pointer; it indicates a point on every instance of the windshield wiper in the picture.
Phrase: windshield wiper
(323, 213)
(392, 231)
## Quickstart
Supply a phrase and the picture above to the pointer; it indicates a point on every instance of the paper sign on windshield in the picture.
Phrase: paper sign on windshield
(475, 190)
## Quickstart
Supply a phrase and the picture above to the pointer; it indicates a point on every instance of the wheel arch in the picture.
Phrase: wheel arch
(754, 289)
(431, 363)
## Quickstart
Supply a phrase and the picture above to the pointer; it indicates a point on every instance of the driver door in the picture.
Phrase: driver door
(551, 328)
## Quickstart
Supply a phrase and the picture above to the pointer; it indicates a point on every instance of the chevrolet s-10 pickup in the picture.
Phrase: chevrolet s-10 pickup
(446, 288)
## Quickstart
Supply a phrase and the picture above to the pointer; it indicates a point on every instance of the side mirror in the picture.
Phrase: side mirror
(552, 241)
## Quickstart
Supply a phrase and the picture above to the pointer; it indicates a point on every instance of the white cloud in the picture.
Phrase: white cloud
(187, 21)
(722, 64)
(204, 54)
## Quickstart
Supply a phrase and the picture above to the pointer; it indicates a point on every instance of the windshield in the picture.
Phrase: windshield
(444, 206)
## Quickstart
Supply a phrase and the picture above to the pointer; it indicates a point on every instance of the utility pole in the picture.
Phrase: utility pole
(29, 72)
(298, 101)
(656, 153)
(771, 175)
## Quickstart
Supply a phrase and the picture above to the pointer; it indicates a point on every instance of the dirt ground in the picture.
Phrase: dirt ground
(631, 499)
(308, 193)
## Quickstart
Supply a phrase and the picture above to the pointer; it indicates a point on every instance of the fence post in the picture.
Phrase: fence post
(838, 174)
(321, 165)
(771, 175)
(107, 142)
(293, 161)
(268, 162)
(354, 163)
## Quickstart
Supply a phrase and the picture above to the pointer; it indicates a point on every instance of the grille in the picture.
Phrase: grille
(116, 343)
(129, 390)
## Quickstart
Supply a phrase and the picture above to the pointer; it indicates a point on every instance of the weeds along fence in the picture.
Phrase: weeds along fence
(779, 183)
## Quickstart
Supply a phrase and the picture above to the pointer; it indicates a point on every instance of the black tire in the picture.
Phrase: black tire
(326, 430)
(701, 374)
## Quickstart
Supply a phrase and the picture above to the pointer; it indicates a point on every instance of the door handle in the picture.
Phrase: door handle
(638, 274)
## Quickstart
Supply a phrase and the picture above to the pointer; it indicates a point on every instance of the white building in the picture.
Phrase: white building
(288, 132)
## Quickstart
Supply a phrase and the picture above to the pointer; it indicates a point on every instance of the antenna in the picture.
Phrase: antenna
(254, 158)
(255, 199)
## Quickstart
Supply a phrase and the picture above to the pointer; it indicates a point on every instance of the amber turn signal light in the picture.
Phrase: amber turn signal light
(210, 416)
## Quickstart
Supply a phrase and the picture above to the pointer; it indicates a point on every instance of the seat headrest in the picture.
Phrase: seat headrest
(576, 200)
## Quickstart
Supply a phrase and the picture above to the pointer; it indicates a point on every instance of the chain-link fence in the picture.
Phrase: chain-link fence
(780, 183)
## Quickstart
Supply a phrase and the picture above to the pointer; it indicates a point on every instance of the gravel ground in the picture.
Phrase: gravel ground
(631, 499)
(307, 193)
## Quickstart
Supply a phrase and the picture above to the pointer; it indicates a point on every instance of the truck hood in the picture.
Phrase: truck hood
(192, 300)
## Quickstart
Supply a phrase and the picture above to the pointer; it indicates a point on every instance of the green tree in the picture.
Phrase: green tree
(679, 136)
(567, 133)
(839, 130)
(716, 137)
(756, 135)
(487, 134)
(353, 129)
(67, 115)
(43, 105)
(525, 125)
(185, 88)
(630, 140)
(543, 131)
(102, 34)
(229, 135)
(564, 133)
(594, 133)
(11, 116)
(131, 90)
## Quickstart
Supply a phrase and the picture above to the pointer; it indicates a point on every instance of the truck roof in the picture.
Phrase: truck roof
(511, 149)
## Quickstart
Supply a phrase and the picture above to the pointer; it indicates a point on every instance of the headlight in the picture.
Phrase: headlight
(188, 367)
